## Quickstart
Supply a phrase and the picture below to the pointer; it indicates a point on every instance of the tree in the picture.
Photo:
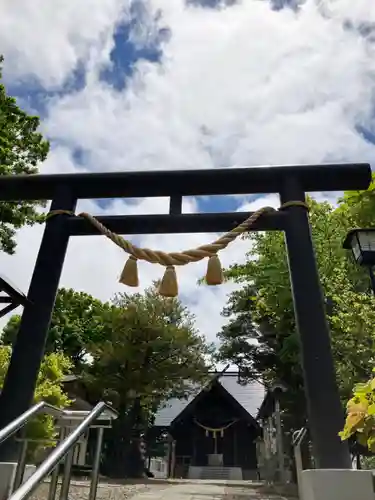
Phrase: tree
(76, 323)
(49, 389)
(21, 149)
(261, 317)
(150, 352)
(360, 420)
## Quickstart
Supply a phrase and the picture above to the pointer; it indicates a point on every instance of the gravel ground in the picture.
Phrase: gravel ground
(195, 490)
(250, 494)
(254, 493)
(79, 490)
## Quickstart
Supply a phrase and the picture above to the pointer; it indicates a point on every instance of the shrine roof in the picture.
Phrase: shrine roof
(250, 396)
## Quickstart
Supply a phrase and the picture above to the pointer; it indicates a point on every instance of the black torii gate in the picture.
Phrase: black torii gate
(291, 182)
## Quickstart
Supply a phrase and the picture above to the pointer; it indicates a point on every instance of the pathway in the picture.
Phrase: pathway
(171, 490)
(206, 490)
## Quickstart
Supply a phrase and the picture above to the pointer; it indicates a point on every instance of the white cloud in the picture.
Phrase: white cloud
(244, 85)
(93, 264)
(48, 40)
(270, 200)
(240, 86)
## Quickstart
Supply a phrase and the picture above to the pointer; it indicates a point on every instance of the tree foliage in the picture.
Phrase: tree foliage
(77, 321)
(360, 420)
(21, 149)
(135, 352)
(49, 389)
(149, 353)
(153, 339)
(261, 336)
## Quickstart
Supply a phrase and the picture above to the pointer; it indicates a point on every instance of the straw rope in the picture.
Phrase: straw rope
(186, 256)
(169, 286)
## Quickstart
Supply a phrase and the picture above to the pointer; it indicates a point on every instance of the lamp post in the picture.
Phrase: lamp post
(362, 244)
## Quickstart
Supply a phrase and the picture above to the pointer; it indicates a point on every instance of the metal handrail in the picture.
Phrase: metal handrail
(52, 461)
(297, 439)
(20, 421)
(299, 436)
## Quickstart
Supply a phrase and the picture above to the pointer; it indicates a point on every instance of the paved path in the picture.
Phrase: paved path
(204, 490)
(174, 490)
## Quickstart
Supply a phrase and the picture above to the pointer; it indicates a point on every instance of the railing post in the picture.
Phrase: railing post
(20, 471)
(53, 483)
(55, 473)
(64, 449)
(96, 465)
(298, 437)
(64, 492)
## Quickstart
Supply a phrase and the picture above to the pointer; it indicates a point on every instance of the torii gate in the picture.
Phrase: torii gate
(291, 182)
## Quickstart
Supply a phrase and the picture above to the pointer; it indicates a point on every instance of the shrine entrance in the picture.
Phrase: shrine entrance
(215, 432)
(325, 413)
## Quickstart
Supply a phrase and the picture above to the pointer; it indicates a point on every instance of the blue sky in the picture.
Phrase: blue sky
(168, 84)
(123, 59)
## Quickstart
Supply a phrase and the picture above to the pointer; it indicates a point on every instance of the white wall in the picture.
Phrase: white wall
(159, 467)
(331, 484)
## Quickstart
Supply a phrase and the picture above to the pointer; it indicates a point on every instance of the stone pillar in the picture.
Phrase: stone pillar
(173, 460)
(337, 484)
(83, 449)
(280, 442)
(235, 446)
(193, 457)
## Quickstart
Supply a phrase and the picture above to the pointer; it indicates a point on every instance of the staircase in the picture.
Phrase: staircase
(215, 472)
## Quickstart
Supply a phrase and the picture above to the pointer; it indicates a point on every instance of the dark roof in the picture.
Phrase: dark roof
(80, 404)
(249, 396)
(224, 396)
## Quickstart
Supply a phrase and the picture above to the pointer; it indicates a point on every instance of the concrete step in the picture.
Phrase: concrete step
(215, 472)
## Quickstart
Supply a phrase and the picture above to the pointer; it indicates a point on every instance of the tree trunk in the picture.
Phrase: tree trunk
(122, 452)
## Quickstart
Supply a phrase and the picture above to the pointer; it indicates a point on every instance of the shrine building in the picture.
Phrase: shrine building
(213, 433)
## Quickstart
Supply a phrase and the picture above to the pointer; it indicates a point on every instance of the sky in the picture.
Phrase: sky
(129, 85)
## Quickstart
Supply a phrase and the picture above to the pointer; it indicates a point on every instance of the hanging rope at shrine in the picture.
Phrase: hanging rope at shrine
(215, 430)
(169, 286)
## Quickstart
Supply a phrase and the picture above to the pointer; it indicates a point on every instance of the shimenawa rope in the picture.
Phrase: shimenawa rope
(168, 286)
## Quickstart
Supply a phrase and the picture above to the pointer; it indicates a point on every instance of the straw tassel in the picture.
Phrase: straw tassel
(129, 275)
(168, 286)
(214, 275)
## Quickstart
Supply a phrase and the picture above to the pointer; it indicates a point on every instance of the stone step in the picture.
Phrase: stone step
(215, 472)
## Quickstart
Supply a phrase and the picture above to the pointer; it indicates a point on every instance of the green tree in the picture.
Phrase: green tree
(360, 419)
(150, 352)
(261, 318)
(49, 389)
(76, 323)
(360, 205)
(21, 149)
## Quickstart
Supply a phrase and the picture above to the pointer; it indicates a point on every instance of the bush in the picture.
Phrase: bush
(49, 389)
(360, 419)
